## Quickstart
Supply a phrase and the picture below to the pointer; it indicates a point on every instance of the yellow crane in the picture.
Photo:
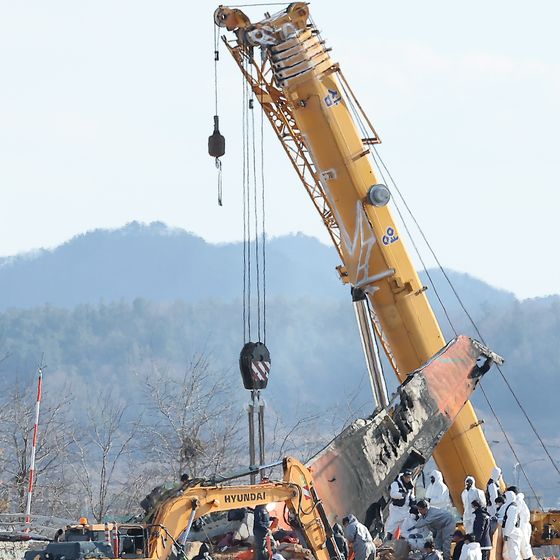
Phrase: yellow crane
(320, 125)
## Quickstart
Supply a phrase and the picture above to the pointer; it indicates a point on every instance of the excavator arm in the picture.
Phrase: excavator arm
(174, 517)
(309, 105)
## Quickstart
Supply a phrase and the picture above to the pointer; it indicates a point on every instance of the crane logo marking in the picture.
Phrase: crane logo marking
(390, 236)
(333, 98)
(248, 497)
(359, 243)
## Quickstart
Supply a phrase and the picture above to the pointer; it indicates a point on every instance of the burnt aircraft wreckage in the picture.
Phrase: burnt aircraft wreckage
(352, 473)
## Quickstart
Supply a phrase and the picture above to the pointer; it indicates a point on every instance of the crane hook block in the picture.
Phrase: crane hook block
(216, 142)
(254, 363)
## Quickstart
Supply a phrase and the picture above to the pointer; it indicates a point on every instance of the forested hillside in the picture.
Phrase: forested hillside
(114, 311)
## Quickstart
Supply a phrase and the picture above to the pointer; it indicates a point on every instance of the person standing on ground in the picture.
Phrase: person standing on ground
(524, 526)
(401, 493)
(458, 538)
(481, 529)
(340, 540)
(469, 494)
(510, 526)
(471, 549)
(441, 524)
(493, 490)
(261, 524)
(359, 537)
(496, 519)
(437, 492)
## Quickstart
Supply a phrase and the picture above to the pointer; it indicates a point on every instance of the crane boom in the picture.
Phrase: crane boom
(305, 97)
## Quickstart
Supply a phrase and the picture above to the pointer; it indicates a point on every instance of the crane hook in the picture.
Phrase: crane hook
(216, 149)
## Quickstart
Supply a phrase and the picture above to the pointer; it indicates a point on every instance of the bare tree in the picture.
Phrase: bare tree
(101, 449)
(193, 423)
(17, 418)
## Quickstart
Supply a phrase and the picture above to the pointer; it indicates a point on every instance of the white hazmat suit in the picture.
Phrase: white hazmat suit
(415, 537)
(511, 530)
(524, 526)
(468, 496)
(493, 489)
(471, 551)
(401, 494)
(437, 492)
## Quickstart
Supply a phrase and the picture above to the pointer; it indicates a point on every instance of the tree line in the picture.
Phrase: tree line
(101, 457)
(113, 353)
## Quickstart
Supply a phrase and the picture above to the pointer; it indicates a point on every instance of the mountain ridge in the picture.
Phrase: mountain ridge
(157, 262)
(112, 303)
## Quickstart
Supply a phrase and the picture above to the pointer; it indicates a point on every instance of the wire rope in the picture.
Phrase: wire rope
(246, 221)
(248, 208)
(471, 320)
(510, 445)
(216, 59)
(256, 218)
(380, 164)
(263, 207)
(364, 131)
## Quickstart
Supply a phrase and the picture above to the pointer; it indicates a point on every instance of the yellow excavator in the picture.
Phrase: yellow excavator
(165, 535)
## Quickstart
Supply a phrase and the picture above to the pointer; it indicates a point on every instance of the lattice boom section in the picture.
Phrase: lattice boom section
(281, 118)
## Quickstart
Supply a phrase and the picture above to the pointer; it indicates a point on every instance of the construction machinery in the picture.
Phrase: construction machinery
(353, 473)
(331, 144)
(164, 536)
(329, 141)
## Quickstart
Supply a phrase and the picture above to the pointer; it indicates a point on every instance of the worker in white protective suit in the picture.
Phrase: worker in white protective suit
(470, 494)
(499, 515)
(415, 537)
(524, 526)
(437, 492)
(493, 490)
(471, 549)
(401, 493)
(510, 528)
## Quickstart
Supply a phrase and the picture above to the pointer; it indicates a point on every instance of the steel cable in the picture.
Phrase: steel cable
(256, 216)
(364, 131)
(471, 320)
(382, 166)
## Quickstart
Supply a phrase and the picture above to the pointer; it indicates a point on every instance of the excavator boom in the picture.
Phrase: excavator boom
(174, 517)
(164, 535)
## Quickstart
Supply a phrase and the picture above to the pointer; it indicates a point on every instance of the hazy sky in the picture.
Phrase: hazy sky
(105, 110)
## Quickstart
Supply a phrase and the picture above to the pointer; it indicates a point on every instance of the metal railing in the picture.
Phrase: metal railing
(14, 527)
